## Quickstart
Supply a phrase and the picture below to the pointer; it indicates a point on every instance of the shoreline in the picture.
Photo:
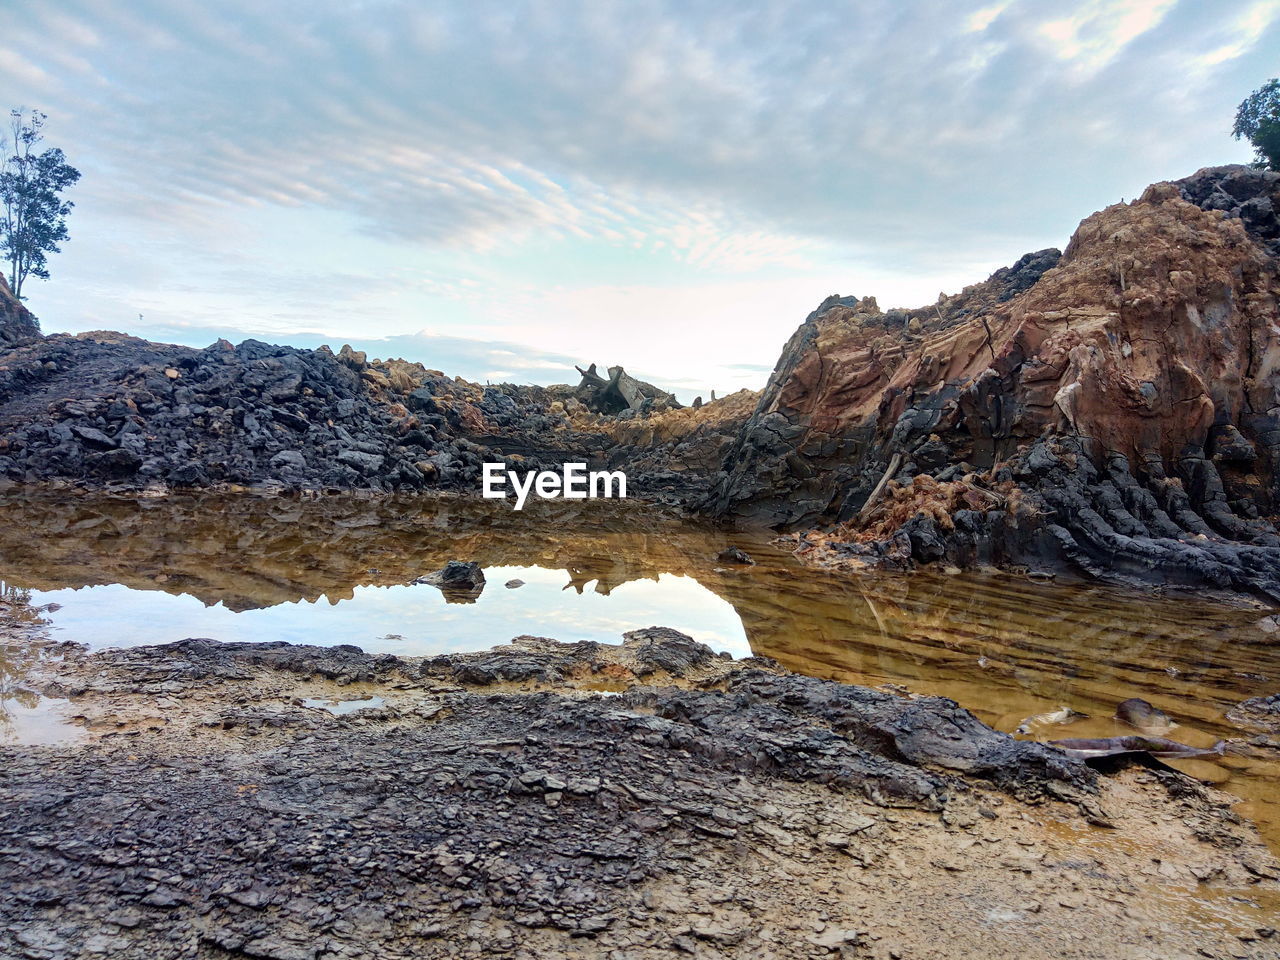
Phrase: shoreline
(574, 799)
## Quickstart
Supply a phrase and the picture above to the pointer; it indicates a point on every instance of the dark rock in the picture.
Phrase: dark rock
(734, 555)
(460, 581)
(367, 463)
(116, 464)
(1261, 713)
(661, 648)
(94, 437)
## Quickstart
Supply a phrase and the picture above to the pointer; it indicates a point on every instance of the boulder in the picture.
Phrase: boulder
(460, 581)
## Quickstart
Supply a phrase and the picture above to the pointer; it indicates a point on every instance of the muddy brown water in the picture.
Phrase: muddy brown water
(125, 571)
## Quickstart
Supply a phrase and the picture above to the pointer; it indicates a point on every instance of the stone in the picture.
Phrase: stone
(456, 573)
(661, 648)
(366, 463)
(734, 555)
(116, 464)
(94, 437)
(835, 936)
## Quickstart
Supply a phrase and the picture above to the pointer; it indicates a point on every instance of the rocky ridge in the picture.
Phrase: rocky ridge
(107, 410)
(1114, 410)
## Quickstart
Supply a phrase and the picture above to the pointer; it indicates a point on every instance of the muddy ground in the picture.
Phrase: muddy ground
(553, 800)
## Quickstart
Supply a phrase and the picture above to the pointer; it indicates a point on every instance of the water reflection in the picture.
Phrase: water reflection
(26, 717)
(338, 569)
(410, 620)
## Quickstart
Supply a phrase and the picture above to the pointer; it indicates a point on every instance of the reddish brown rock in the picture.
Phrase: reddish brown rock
(1130, 389)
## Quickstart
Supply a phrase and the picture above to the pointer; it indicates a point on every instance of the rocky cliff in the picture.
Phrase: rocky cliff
(1116, 409)
(16, 322)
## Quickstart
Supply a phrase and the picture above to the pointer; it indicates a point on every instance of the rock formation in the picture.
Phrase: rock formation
(1116, 409)
(16, 322)
(105, 409)
(1113, 409)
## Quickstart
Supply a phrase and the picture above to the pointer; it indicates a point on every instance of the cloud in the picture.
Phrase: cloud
(1239, 34)
(456, 166)
(1099, 30)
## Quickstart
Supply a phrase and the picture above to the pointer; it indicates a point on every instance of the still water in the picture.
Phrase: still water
(341, 570)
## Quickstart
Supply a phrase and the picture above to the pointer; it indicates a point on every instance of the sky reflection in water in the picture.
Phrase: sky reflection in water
(412, 620)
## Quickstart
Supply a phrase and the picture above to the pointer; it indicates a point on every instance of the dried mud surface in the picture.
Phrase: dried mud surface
(584, 800)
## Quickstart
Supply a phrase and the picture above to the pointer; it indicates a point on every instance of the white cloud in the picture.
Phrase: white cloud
(980, 20)
(1243, 33)
(1101, 29)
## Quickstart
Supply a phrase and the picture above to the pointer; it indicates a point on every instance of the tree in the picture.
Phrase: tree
(35, 216)
(1258, 121)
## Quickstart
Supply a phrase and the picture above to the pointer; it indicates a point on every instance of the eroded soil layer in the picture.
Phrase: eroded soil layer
(544, 799)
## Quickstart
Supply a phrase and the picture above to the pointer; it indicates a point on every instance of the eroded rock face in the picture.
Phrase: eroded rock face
(1125, 397)
(16, 322)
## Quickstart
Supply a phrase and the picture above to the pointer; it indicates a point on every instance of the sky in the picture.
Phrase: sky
(502, 189)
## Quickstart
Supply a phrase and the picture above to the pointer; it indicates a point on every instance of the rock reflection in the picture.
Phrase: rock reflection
(1002, 645)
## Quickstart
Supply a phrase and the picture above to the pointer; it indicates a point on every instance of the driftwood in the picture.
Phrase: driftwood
(1157, 747)
(894, 462)
(590, 375)
(619, 392)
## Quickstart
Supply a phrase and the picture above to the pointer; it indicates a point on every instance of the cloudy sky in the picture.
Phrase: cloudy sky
(500, 188)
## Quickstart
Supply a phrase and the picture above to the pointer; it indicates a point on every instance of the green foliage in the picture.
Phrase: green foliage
(1258, 121)
(34, 220)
